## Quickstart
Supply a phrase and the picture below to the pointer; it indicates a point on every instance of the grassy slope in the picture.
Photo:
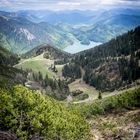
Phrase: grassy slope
(37, 64)
(124, 100)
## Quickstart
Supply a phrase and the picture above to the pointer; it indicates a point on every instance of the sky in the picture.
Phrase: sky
(66, 4)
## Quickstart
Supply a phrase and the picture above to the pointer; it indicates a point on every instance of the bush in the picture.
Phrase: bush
(25, 113)
(126, 100)
(82, 96)
(76, 92)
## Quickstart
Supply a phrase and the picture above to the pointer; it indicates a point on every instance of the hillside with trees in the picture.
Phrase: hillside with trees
(7, 58)
(53, 52)
(50, 52)
(56, 88)
(69, 70)
(34, 113)
(10, 76)
(112, 65)
(40, 65)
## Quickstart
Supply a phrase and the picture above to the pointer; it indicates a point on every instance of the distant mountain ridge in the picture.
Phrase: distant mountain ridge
(96, 25)
(23, 30)
(24, 35)
(75, 16)
(107, 28)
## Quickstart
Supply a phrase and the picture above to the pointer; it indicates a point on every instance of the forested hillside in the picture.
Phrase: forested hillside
(10, 76)
(49, 52)
(113, 64)
(40, 64)
(69, 70)
(7, 58)
(29, 114)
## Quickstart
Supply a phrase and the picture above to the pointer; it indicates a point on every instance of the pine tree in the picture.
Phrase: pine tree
(100, 95)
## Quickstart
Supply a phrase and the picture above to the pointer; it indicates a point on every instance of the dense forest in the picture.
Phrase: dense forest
(9, 75)
(113, 64)
(72, 71)
(7, 58)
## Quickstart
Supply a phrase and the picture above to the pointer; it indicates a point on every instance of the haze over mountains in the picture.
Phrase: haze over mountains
(72, 30)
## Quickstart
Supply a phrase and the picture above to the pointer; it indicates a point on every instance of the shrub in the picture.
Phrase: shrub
(82, 96)
(126, 100)
(25, 113)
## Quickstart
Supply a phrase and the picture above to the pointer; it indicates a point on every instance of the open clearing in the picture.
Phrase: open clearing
(39, 63)
(91, 91)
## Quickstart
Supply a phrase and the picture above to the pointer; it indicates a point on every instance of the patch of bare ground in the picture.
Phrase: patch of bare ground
(122, 126)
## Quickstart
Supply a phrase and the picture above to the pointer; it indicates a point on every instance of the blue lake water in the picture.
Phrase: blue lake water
(77, 47)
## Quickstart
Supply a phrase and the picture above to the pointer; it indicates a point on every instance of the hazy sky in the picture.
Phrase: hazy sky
(66, 4)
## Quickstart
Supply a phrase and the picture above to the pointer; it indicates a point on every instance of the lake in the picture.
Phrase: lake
(77, 47)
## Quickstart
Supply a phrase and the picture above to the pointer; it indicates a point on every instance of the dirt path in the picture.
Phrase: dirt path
(93, 93)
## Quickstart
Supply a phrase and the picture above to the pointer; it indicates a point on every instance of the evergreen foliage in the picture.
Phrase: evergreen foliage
(9, 75)
(113, 64)
(71, 71)
(100, 95)
(26, 113)
(7, 58)
(126, 100)
(57, 88)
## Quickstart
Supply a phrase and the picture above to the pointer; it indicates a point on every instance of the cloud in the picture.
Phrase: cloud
(69, 3)
(65, 4)
(5, 2)
(121, 2)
